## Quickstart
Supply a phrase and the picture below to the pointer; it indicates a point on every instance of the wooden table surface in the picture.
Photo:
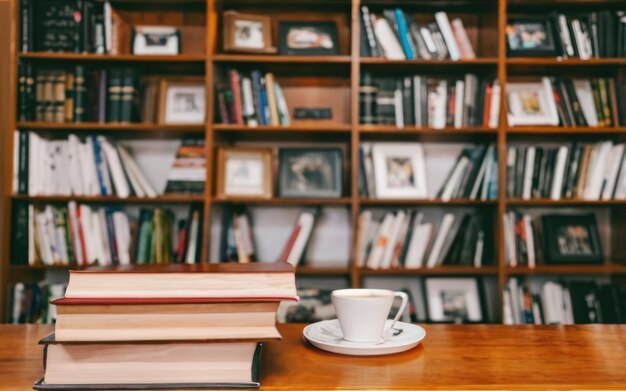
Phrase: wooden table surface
(451, 357)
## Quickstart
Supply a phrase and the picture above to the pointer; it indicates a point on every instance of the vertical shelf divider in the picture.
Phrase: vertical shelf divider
(355, 280)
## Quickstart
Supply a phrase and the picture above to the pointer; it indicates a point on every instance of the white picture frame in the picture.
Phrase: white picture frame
(531, 104)
(156, 40)
(408, 163)
(465, 288)
(182, 102)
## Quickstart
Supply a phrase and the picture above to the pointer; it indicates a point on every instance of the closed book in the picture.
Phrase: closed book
(368, 32)
(367, 100)
(388, 40)
(257, 90)
(272, 103)
(448, 35)
(128, 95)
(403, 34)
(114, 95)
(139, 366)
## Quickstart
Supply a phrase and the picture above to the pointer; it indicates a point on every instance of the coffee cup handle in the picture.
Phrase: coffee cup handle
(405, 300)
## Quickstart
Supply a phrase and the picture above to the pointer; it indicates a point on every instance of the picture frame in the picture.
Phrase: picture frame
(310, 172)
(155, 40)
(531, 103)
(533, 36)
(247, 33)
(308, 38)
(244, 172)
(182, 101)
(571, 239)
(454, 300)
(399, 170)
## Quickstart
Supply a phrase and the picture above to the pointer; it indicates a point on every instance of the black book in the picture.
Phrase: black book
(407, 240)
(367, 100)
(470, 240)
(585, 305)
(564, 103)
(542, 173)
(114, 95)
(128, 95)
(547, 184)
(479, 110)
(407, 101)
(519, 171)
(19, 237)
(534, 189)
(23, 163)
(362, 176)
(81, 95)
(23, 111)
(621, 101)
(572, 170)
(26, 32)
(84, 25)
(579, 117)
(385, 102)
(476, 156)
(511, 160)
(453, 255)
(368, 32)
(610, 304)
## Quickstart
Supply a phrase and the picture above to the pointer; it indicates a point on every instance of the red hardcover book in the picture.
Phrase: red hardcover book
(236, 108)
(487, 107)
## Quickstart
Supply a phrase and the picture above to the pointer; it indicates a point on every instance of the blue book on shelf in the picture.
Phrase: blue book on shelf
(97, 153)
(403, 31)
(257, 87)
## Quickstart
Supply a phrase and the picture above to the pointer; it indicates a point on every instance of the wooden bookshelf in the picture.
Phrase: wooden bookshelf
(209, 60)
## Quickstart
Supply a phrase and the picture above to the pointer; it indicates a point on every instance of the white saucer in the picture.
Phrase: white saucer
(327, 335)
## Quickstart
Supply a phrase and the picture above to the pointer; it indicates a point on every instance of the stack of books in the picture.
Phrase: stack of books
(166, 327)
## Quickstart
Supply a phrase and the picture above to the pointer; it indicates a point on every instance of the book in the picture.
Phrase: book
(188, 172)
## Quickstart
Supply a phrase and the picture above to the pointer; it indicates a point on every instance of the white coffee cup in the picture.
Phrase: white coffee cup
(362, 312)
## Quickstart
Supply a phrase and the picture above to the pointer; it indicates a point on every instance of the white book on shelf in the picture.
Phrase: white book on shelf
(130, 173)
(281, 103)
(597, 164)
(460, 34)
(247, 102)
(399, 107)
(58, 180)
(515, 307)
(18, 300)
(75, 169)
(458, 103)
(364, 223)
(381, 241)
(422, 234)
(438, 99)
(455, 178)
(537, 313)
(192, 238)
(448, 36)
(55, 237)
(72, 213)
(566, 38)
(494, 107)
(620, 187)
(45, 247)
(108, 27)
(584, 93)
(115, 168)
(581, 40)
(568, 313)
(387, 40)
(612, 169)
(507, 313)
(530, 241)
(559, 173)
(480, 248)
(528, 173)
(417, 100)
(34, 160)
(101, 224)
(131, 165)
(394, 232)
(122, 237)
(401, 241)
(434, 257)
(88, 167)
(509, 225)
(372, 234)
(306, 221)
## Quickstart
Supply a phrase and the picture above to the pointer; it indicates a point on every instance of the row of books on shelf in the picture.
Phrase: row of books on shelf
(396, 36)
(408, 239)
(393, 170)
(429, 102)
(30, 302)
(571, 238)
(571, 302)
(217, 314)
(594, 102)
(78, 94)
(590, 171)
(83, 235)
(251, 99)
(97, 166)
(596, 34)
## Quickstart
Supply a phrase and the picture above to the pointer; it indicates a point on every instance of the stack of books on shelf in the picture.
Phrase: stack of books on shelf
(588, 171)
(78, 95)
(84, 235)
(201, 327)
(88, 166)
(423, 101)
(252, 100)
(29, 302)
(406, 239)
(188, 173)
(572, 302)
(396, 36)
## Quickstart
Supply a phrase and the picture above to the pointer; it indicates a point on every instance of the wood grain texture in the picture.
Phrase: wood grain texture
(451, 358)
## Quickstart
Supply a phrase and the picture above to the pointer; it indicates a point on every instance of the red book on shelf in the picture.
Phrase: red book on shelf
(487, 107)
(289, 246)
(236, 109)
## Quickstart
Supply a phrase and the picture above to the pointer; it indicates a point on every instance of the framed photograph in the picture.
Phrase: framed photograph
(244, 172)
(399, 170)
(532, 37)
(531, 103)
(156, 40)
(310, 172)
(308, 38)
(182, 101)
(571, 239)
(453, 300)
(247, 33)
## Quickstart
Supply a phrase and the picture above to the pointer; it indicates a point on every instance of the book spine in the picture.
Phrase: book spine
(236, 108)
(403, 33)
(128, 94)
(26, 41)
(374, 50)
(367, 100)
(114, 96)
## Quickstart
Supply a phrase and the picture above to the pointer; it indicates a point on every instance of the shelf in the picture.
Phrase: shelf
(565, 130)
(426, 202)
(112, 127)
(322, 271)
(284, 201)
(162, 199)
(188, 58)
(439, 270)
(278, 59)
(563, 202)
(567, 269)
(307, 127)
(421, 62)
(390, 129)
(551, 61)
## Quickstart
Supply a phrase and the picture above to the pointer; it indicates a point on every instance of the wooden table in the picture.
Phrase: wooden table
(451, 357)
